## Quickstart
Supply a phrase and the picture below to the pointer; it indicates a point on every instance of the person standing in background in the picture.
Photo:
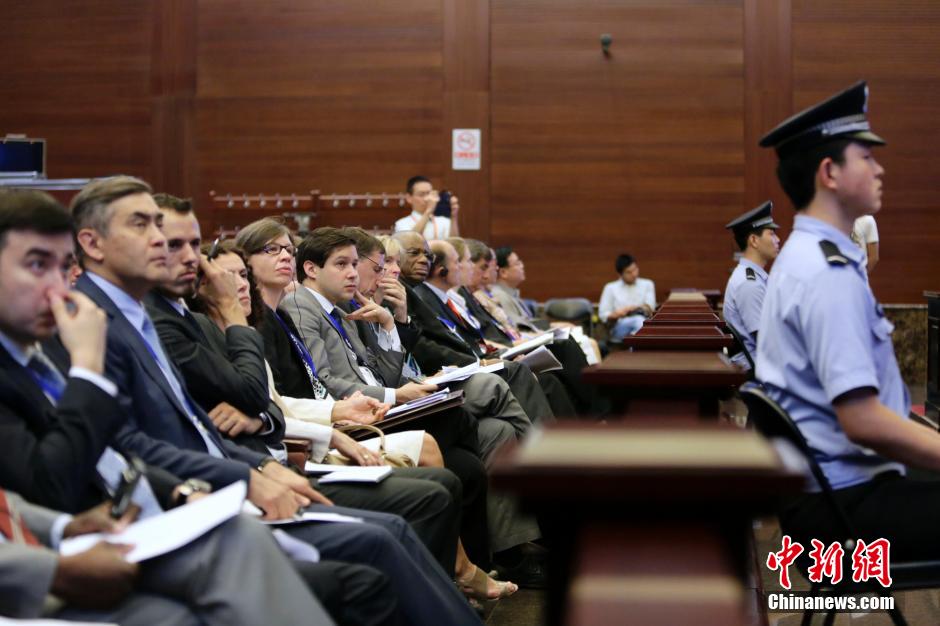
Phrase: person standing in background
(865, 235)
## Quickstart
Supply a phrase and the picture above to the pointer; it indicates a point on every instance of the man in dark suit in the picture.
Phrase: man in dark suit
(240, 367)
(57, 430)
(567, 351)
(444, 334)
(124, 254)
(232, 390)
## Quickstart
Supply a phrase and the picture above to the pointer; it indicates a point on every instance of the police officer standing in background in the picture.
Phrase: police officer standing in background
(825, 352)
(756, 235)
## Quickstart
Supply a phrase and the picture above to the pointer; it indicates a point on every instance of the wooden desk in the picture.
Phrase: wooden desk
(665, 382)
(670, 316)
(680, 307)
(656, 517)
(711, 296)
(654, 322)
(686, 295)
(674, 337)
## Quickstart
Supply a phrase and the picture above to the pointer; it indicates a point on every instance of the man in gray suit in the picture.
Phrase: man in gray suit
(200, 583)
(327, 265)
(329, 262)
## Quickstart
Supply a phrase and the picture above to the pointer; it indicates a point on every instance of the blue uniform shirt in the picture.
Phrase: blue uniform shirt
(744, 299)
(822, 333)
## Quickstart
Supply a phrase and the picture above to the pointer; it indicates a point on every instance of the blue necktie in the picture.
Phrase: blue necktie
(110, 463)
(156, 350)
(46, 376)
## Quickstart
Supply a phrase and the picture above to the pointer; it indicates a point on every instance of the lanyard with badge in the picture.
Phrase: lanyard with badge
(301, 351)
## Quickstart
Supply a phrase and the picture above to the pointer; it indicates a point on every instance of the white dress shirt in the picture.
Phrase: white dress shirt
(618, 294)
(437, 227)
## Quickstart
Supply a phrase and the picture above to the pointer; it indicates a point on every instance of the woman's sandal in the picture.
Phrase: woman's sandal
(477, 587)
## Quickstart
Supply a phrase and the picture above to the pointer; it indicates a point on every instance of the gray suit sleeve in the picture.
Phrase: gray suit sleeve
(26, 572)
(327, 350)
(38, 519)
(388, 363)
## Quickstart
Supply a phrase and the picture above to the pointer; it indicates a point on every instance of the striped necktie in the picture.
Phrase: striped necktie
(11, 524)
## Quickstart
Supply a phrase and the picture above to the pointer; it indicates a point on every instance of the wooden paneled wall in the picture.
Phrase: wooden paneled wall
(649, 150)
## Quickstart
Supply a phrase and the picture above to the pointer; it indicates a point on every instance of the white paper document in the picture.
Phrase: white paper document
(314, 516)
(307, 516)
(541, 360)
(6, 621)
(529, 346)
(348, 473)
(458, 373)
(428, 400)
(493, 367)
(561, 333)
(174, 529)
(356, 474)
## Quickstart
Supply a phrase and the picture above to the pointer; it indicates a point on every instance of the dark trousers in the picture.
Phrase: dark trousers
(585, 397)
(903, 510)
(428, 498)
(557, 395)
(456, 434)
(426, 594)
(353, 595)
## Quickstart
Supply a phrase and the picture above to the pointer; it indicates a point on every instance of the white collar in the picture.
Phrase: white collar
(324, 303)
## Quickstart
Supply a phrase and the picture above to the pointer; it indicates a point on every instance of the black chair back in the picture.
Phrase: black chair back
(742, 348)
(769, 418)
(576, 310)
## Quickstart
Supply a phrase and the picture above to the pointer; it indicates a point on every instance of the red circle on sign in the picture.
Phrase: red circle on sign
(466, 141)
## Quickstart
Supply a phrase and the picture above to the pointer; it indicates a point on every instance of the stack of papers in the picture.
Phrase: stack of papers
(305, 516)
(453, 375)
(161, 534)
(541, 360)
(529, 346)
(348, 473)
(357, 474)
(428, 400)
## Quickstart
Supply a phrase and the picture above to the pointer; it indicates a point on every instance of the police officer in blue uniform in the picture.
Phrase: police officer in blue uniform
(755, 232)
(825, 351)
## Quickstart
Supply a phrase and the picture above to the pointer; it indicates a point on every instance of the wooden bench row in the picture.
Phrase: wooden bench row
(654, 507)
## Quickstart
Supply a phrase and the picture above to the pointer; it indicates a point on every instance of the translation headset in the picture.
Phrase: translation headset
(437, 261)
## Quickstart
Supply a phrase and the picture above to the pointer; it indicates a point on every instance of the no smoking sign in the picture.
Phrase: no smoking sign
(466, 148)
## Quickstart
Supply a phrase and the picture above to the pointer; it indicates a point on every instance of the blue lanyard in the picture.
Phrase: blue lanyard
(449, 324)
(300, 349)
(342, 331)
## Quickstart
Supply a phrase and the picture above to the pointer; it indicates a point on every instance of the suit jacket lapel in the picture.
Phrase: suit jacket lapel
(140, 349)
(315, 305)
(466, 333)
(160, 303)
(24, 391)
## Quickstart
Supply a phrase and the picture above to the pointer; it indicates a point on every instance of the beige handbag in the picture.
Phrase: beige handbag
(393, 459)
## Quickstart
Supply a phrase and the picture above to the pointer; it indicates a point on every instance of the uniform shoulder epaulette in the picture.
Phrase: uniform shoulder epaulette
(832, 253)
(750, 273)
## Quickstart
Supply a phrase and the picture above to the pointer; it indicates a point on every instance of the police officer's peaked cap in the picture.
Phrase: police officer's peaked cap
(841, 116)
(754, 219)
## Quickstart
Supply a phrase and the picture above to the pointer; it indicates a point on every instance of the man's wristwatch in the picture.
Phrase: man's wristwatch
(189, 487)
(264, 462)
